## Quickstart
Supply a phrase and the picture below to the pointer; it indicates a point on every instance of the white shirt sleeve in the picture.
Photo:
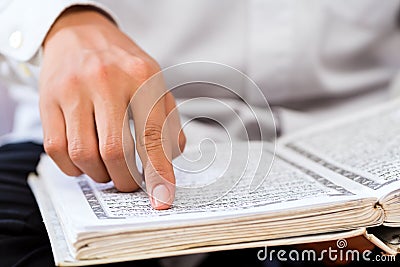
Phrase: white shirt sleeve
(24, 24)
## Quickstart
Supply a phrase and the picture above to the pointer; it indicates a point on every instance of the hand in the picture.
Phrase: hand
(90, 72)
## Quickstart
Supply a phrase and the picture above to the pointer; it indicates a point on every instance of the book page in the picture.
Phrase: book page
(84, 203)
(288, 185)
(365, 147)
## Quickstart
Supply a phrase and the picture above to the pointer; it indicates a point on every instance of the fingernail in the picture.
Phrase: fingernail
(161, 196)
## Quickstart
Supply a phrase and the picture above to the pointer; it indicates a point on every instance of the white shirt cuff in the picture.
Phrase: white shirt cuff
(25, 24)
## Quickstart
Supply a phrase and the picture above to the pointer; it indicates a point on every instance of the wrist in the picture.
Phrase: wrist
(78, 16)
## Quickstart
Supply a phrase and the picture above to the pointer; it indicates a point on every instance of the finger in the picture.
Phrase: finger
(177, 136)
(54, 138)
(154, 148)
(130, 151)
(110, 127)
(82, 142)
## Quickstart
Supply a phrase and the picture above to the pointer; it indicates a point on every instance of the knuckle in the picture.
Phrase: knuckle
(125, 187)
(99, 71)
(96, 65)
(70, 80)
(152, 136)
(66, 85)
(80, 153)
(100, 179)
(142, 68)
(54, 146)
(71, 171)
(112, 150)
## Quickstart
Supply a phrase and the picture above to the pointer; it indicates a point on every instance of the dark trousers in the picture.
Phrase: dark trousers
(23, 238)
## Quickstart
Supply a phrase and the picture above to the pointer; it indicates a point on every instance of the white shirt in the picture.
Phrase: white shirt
(316, 57)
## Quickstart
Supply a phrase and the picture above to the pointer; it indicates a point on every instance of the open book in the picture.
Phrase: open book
(334, 181)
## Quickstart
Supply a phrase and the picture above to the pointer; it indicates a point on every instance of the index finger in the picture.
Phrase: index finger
(153, 144)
